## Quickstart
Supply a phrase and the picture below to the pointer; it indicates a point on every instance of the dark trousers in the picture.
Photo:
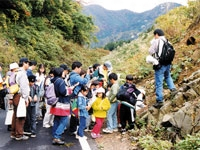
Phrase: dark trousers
(127, 115)
(74, 121)
(17, 123)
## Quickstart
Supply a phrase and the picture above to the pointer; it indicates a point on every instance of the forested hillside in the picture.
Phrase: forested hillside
(50, 31)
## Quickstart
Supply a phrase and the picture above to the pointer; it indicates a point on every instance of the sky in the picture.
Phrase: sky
(133, 5)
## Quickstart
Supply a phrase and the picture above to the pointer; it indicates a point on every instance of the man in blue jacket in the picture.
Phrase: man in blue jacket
(74, 79)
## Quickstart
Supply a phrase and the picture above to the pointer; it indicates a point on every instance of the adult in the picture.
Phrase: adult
(102, 73)
(48, 117)
(39, 84)
(17, 132)
(74, 79)
(60, 122)
(163, 72)
(32, 66)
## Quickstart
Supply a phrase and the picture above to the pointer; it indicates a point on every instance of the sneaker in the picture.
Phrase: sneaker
(94, 135)
(24, 137)
(107, 130)
(83, 137)
(158, 105)
(27, 133)
(58, 142)
(87, 129)
(12, 137)
(123, 131)
(33, 135)
(46, 126)
(115, 130)
(173, 92)
(77, 136)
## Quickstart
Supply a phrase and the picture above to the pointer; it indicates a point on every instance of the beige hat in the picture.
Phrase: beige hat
(14, 66)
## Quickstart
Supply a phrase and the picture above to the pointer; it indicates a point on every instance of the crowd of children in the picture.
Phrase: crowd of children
(94, 97)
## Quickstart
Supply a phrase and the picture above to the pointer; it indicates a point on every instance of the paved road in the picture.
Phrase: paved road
(42, 141)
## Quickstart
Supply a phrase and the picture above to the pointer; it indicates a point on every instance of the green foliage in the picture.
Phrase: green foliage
(150, 143)
(176, 72)
(113, 45)
(189, 143)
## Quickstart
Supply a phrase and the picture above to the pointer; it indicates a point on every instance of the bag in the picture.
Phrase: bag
(13, 89)
(60, 109)
(74, 107)
(167, 54)
(50, 94)
(126, 93)
(9, 115)
(21, 108)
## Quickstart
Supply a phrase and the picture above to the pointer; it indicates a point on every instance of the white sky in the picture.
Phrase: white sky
(134, 5)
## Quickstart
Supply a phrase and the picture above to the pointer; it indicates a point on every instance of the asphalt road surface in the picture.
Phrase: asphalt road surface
(43, 140)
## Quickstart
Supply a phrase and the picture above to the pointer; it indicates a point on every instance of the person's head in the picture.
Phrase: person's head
(113, 77)
(76, 66)
(51, 72)
(95, 66)
(83, 73)
(101, 92)
(24, 63)
(107, 65)
(129, 79)
(13, 67)
(84, 90)
(158, 32)
(94, 85)
(32, 64)
(57, 72)
(41, 69)
(31, 80)
(66, 70)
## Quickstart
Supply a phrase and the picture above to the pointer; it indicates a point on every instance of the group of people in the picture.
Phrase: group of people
(95, 92)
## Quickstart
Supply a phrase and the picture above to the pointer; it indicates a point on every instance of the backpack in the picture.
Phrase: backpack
(50, 94)
(126, 93)
(167, 54)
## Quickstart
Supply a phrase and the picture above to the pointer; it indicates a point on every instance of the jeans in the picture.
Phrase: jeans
(112, 116)
(30, 123)
(82, 126)
(163, 74)
(60, 122)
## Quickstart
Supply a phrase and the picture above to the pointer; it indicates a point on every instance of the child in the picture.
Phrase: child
(83, 111)
(100, 108)
(30, 123)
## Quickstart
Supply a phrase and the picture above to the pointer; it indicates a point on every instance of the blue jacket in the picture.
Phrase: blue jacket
(60, 89)
(82, 103)
(75, 78)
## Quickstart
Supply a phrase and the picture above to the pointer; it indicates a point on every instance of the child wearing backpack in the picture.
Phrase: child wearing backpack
(100, 107)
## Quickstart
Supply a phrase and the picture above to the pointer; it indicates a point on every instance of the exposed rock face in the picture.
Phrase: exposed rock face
(182, 111)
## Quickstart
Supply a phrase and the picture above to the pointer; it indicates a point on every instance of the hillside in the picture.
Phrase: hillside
(123, 24)
(50, 32)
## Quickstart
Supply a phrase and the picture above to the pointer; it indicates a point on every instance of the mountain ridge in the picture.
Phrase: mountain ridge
(115, 25)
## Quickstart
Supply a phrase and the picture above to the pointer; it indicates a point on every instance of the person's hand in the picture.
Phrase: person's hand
(87, 107)
(30, 98)
(27, 103)
(35, 98)
(10, 102)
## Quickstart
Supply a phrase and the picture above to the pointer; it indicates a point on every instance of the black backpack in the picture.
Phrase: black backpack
(167, 54)
(126, 93)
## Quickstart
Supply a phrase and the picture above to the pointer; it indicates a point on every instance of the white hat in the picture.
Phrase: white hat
(108, 65)
(100, 90)
(14, 66)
